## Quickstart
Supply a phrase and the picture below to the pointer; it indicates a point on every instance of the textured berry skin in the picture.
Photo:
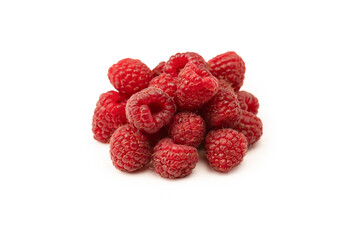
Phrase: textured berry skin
(109, 114)
(230, 67)
(129, 76)
(150, 109)
(178, 61)
(225, 149)
(252, 103)
(223, 110)
(196, 86)
(187, 129)
(251, 126)
(171, 160)
(165, 82)
(129, 149)
(159, 69)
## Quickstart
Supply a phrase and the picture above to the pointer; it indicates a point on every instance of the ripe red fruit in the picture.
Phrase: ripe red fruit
(159, 69)
(150, 109)
(109, 114)
(230, 67)
(251, 126)
(171, 160)
(165, 82)
(225, 149)
(129, 149)
(129, 76)
(196, 86)
(223, 110)
(251, 102)
(187, 128)
(178, 61)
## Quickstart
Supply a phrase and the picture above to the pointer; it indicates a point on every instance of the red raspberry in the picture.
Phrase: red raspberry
(223, 110)
(129, 149)
(109, 114)
(159, 69)
(165, 82)
(187, 128)
(150, 109)
(196, 86)
(225, 149)
(163, 143)
(174, 161)
(154, 138)
(251, 126)
(129, 76)
(178, 61)
(230, 67)
(252, 103)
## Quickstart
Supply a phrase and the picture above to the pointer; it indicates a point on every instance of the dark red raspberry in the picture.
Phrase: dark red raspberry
(225, 149)
(251, 126)
(165, 82)
(252, 103)
(150, 109)
(109, 114)
(158, 70)
(174, 161)
(129, 76)
(154, 138)
(187, 128)
(230, 67)
(129, 149)
(196, 86)
(178, 61)
(223, 110)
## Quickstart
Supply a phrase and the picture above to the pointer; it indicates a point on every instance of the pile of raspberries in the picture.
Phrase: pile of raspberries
(158, 118)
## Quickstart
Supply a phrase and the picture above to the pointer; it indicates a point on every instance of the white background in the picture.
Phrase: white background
(301, 181)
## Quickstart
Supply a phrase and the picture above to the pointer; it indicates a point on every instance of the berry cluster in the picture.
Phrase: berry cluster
(159, 117)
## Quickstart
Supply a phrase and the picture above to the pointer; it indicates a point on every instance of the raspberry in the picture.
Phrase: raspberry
(109, 114)
(178, 61)
(225, 149)
(129, 149)
(196, 86)
(174, 161)
(154, 138)
(251, 102)
(157, 70)
(165, 82)
(251, 126)
(230, 67)
(129, 76)
(150, 109)
(161, 145)
(187, 129)
(223, 110)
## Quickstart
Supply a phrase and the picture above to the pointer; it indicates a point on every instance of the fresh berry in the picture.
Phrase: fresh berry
(129, 149)
(225, 149)
(157, 70)
(252, 103)
(129, 76)
(196, 86)
(251, 126)
(187, 128)
(154, 138)
(165, 82)
(178, 61)
(109, 114)
(150, 109)
(163, 143)
(223, 110)
(230, 67)
(174, 161)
